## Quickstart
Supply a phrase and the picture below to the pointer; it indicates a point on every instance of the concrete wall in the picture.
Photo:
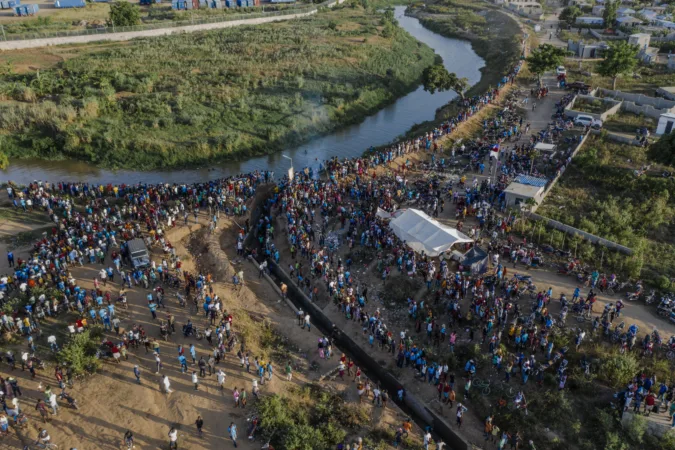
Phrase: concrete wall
(411, 404)
(613, 107)
(648, 111)
(127, 36)
(639, 99)
(575, 231)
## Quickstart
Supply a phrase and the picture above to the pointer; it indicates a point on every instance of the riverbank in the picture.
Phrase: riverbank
(494, 35)
(231, 94)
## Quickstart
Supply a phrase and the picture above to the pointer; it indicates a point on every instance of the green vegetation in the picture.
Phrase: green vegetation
(545, 58)
(221, 94)
(626, 122)
(663, 151)
(596, 106)
(437, 78)
(96, 15)
(617, 192)
(620, 58)
(650, 77)
(310, 419)
(80, 352)
(494, 36)
(610, 12)
(124, 14)
(570, 14)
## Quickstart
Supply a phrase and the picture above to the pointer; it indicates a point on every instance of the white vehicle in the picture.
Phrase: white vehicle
(560, 70)
(587, 121)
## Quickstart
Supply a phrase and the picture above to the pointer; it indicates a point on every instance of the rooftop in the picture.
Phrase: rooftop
(523, 190)
(531, 181)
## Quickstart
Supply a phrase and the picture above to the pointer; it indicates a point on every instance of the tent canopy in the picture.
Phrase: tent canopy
(424, 234)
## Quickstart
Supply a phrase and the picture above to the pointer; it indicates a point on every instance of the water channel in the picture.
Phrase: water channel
(379, 129)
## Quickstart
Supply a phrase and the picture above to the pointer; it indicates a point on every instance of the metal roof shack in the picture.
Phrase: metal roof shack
(531, 181)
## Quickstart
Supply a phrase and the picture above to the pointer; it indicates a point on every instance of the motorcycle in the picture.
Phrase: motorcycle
(650, 298)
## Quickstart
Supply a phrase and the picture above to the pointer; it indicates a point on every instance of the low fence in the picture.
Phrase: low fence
(577, 232)
(639, 99)
(411, 404)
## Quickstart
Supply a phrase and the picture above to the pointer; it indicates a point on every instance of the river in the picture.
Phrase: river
(381, 128)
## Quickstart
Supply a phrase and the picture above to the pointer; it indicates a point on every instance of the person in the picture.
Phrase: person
(195, 380)
(220, 376)
(289, 371)
(43, 437)
(232, 430)
(173, 439)
(461, 409)
(129, 439)
(166, 385)
(427, 440)
(200, 423)
(137, 374)
(306, 323)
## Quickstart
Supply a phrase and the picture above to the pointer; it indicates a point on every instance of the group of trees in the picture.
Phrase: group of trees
(620, 58)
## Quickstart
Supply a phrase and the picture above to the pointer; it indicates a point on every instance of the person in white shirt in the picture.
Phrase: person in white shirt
(220, 376)
(173, 439)
(195, 380)
(53, 403)
(167, 385)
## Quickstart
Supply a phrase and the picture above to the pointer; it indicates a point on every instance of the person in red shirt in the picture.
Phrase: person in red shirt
(650, 400)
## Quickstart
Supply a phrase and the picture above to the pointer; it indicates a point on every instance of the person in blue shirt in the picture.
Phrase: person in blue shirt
(183, 363)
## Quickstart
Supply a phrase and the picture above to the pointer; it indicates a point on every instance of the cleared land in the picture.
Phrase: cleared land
(222, 94)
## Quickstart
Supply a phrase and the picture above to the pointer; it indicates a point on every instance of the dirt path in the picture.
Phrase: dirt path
(129, 35)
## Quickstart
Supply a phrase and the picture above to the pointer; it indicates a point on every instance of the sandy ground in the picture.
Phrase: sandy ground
(112, 402)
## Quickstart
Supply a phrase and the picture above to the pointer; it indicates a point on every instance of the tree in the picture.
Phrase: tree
(610, 13)
(437, 78)
(663, 150)
(4, 161)
(124, 14)
(544, 58)
(570, 14)
(620, 58)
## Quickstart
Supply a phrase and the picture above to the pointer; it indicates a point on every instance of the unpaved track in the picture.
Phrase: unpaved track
(127, 36)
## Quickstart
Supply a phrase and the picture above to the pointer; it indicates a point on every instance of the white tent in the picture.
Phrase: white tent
(424, 234)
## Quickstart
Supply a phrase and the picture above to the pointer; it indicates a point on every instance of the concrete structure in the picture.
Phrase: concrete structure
(589, 20)
(666, 124)
(598, 10)
(625, 12)
(665, 24)
(586, 50)
(628, 21)
(667, 92)
(523, 189)
(526, 8)
(642, 40)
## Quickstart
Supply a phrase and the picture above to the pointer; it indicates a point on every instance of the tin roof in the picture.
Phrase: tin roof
(531, 181)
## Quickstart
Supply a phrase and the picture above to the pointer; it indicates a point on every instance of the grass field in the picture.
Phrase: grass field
(601, 193)
(187, 99)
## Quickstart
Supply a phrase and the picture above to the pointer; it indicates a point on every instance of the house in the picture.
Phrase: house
(625, 12)
(671, 63)
(640, 39)
(598, 10)
(589, 20)
(524, 188)
(664, 23)
(649, 55)
(666, 124)
(586, 50)
(648, 14)
(628, 21)
(527, 8)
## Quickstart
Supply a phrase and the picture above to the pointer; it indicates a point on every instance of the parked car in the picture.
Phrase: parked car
(587, 121)
(561, 70)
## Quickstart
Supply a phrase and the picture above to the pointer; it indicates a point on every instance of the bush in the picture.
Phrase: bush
(80, 352)
(618, 369)
(124, 14)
